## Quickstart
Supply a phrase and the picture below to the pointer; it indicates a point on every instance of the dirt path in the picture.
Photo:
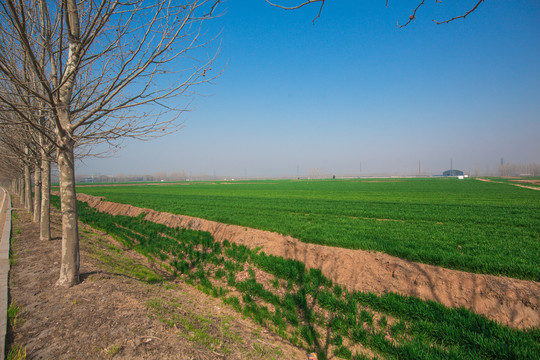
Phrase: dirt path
(510, 301)
(113, 314)
(536, 182)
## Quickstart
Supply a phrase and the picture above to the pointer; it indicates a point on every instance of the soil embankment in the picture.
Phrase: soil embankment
(509, 301)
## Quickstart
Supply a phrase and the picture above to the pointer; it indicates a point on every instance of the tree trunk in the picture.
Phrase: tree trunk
(27, 188)
(37, 193)
(69, 270)
(45, 221)
(21, 190)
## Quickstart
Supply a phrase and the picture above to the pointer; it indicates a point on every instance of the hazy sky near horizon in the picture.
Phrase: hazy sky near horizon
(354, 94)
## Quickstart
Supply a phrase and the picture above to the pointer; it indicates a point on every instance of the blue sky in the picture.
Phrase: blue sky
(355, 89)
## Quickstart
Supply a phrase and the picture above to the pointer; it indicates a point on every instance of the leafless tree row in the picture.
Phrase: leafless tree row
(80, 73)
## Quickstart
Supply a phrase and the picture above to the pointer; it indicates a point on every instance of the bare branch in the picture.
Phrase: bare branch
(460, 16)
(413, 15)
(308, 2)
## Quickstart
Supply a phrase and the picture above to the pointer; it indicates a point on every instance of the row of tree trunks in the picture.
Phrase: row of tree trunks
(41, 203)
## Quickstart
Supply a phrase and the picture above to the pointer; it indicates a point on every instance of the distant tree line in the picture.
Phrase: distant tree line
(510, 169)
(157, 176)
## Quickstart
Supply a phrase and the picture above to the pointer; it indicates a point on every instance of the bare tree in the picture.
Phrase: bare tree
(10, 169)
(321, 3)
(106, 70)
(18, 145)
(19, 137)
(16, 141)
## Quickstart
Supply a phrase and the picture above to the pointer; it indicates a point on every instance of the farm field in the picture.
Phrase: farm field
(482, 227)
(306, 308)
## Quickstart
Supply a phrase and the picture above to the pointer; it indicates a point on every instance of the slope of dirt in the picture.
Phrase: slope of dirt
(113, 314)
(509, 301)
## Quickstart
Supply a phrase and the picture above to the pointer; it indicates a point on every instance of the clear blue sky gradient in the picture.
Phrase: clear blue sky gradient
(354, 89)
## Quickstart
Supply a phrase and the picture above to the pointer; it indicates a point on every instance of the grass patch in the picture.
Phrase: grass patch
(15, 313)
(110, 256)
(198, 328)
(14, 217)
(16, 352)
(128, 267)
(113, 350)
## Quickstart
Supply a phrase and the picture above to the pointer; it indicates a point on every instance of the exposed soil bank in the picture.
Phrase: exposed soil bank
(509, 301)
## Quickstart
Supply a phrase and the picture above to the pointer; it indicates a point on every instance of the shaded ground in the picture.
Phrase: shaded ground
(118, 311)
(509, 301)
